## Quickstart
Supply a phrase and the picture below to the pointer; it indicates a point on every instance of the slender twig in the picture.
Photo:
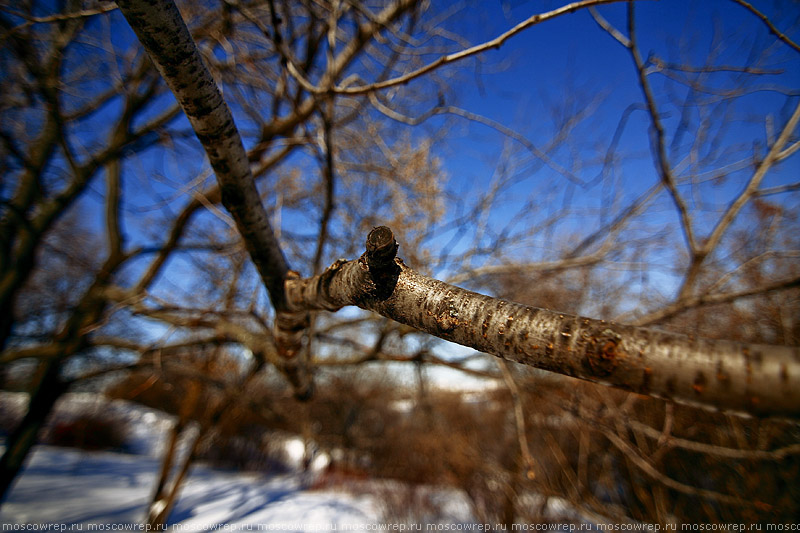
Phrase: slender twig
(481, 119)
(755, 181)
(712, 449)
(495, 43)
(519, 419)
(659, 136)
(645, 466)
(704, 300)
(773, 30)
(328, 174)
(30, 20)
(779, 189)
(660, 63)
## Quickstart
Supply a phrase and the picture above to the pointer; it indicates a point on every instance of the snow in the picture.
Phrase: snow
(111, 490)
(79, 488)
(67, 486)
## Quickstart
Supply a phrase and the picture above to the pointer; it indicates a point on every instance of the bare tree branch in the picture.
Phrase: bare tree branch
(702, 300)
(519, 418)
(772, 29)
(182, 67)
(658, 137)
(645, 466)
(757, 379)
(497, 42)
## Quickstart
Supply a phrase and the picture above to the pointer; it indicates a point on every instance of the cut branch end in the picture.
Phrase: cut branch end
(381, 249)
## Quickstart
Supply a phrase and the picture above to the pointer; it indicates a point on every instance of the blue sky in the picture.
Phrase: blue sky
(572, 58)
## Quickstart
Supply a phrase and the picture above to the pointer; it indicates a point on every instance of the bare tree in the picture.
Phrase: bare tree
(643, 361)
(318, 90)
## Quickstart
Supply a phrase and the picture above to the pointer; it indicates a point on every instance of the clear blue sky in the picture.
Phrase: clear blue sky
(571, 59)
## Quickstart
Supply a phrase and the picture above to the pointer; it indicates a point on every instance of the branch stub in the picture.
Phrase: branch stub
(381, 248)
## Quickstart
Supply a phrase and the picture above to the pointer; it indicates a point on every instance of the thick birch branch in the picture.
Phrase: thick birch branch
(757, 379)
(161, 30)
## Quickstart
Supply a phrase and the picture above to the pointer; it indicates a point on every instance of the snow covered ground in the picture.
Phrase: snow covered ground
(73, 487)
(109, 491)
(67, 486)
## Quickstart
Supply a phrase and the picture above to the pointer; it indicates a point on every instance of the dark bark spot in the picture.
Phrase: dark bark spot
(647, 374)
(231, 196)
(222, 167)
(671, 387)
(748, 365)
(723, 376)
(603, 354)
(699, 384)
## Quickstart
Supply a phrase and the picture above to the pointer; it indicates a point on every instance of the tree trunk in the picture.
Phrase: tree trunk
(46, 389)
(164, 500)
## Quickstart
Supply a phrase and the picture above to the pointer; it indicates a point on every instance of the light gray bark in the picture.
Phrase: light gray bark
(161, 30)
(757, 379)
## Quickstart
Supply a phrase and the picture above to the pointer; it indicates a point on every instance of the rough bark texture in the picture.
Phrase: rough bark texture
(757, 379)
(161, 30)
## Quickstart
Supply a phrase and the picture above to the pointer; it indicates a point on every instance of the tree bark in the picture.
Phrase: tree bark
(161, 30)
(749, 378)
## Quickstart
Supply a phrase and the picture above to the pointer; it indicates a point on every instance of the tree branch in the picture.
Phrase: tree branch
(163, 33)
(658, 136)
(772, 29)
(702, 300)
(757, 379)
(497, 42)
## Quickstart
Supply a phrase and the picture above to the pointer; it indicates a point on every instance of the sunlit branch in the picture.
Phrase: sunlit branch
(722, 374)
(754, 182)
(497, 42)
(609, 28)
(111, 6)
(779, 189)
